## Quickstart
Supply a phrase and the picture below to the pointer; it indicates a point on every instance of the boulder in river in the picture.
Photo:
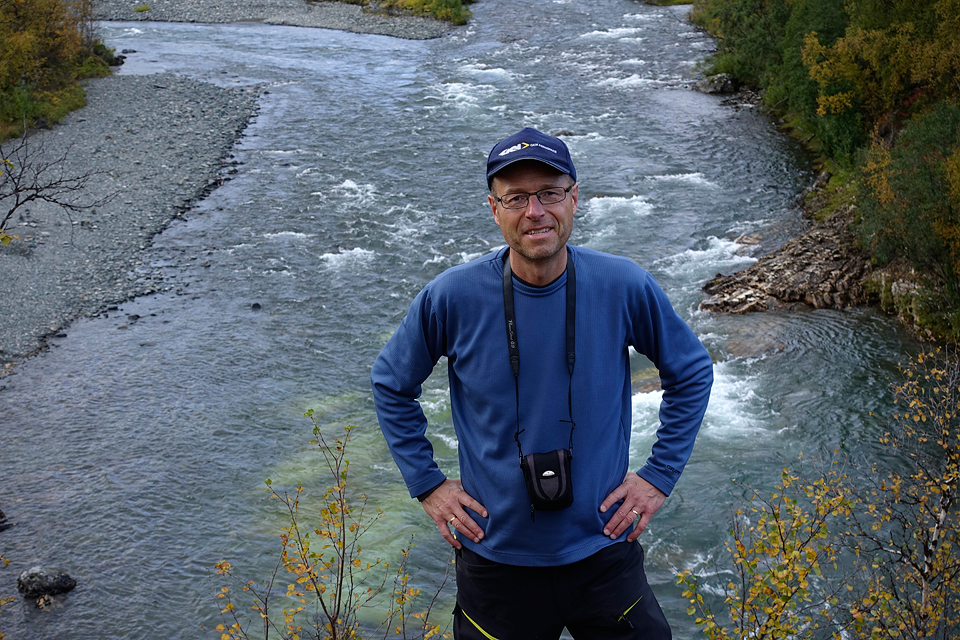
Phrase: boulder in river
(37, 582)
(720, 83)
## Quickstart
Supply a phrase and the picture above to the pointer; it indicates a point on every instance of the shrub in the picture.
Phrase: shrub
(331, 581)
(449, 10)
(749, 32)
(4, 600)
(46, 46)
(790, 87)
(867, 555)
(779, 547)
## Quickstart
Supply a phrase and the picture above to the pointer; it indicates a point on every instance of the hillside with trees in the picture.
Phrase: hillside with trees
(46, 48)
(871, 86)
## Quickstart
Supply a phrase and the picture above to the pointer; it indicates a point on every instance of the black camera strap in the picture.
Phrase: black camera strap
(514, 349)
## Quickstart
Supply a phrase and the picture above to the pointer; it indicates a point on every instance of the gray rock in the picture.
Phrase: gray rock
(720, 83)
(37, 582)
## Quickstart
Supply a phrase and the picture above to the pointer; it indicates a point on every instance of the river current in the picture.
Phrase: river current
(134, 453)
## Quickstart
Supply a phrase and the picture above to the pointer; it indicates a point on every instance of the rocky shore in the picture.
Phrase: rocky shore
(153, 145)
(821, 268)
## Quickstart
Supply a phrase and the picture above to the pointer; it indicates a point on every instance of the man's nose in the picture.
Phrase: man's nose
(533, 209)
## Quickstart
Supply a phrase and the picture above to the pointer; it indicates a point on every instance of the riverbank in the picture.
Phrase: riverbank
(823, 267)
(156, 144)
(152, 145)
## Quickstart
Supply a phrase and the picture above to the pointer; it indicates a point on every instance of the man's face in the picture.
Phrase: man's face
(537, 233)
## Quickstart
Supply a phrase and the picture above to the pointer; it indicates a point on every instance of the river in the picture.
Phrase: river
(135, 451)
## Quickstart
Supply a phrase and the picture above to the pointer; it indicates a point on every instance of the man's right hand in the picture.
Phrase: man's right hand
(446, 506)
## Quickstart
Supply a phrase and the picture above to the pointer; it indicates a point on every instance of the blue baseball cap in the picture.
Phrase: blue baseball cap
(530, 144)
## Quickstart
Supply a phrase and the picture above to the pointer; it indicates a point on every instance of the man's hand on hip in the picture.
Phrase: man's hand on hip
(446, 506)
(640, 501)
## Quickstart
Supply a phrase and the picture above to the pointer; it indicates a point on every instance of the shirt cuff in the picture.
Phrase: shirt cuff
(426, 494)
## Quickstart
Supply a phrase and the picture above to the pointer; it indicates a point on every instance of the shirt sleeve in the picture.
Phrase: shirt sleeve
(397, 376)
(686, 377)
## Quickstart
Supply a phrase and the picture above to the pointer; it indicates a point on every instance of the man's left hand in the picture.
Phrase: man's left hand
(640, 501)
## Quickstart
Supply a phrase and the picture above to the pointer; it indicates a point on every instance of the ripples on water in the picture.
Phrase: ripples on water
(134, 451)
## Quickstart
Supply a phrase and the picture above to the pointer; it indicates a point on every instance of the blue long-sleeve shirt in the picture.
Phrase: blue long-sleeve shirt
(460, 315)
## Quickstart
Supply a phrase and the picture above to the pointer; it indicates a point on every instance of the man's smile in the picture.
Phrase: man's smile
(539, 231)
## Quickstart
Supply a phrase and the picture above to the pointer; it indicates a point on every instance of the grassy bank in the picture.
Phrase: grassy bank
(870, 87)
(46, 48)
(453, 11)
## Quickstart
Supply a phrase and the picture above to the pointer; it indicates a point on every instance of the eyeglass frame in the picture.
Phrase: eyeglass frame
(527, 195)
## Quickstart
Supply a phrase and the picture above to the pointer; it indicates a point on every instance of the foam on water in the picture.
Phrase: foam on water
(406, 225)
(350, 259)
(606, 206)
(692, 178)
(734, 413)
(636, 81)
(735, 410)
(709, 257)
(441, 260)
(289, 235)
(465, 95)
(360, 194)
(641, 17)
(487, 74)
(617, 33)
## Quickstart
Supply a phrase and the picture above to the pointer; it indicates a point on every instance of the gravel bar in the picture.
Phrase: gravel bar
(155, 145)
(328, 15)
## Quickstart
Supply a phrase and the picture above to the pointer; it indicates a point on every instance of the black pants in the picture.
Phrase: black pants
(603, 597)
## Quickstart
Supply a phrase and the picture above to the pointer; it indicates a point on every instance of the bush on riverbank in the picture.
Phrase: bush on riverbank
(46, 47)
(861, 83)
(871, 554)
(4, 600)
(447, 10)
(334, 589)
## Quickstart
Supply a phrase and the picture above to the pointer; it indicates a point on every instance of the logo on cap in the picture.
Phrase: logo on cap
(524, 145)
(516, 147)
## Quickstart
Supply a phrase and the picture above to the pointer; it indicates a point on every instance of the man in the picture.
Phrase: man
(536, 338)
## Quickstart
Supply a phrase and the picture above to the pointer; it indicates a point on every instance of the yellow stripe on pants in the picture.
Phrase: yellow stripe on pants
(479, 628)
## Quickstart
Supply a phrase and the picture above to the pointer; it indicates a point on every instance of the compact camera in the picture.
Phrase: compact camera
(549, 483)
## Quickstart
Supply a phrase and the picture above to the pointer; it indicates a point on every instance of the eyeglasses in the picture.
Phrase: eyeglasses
(551, 195)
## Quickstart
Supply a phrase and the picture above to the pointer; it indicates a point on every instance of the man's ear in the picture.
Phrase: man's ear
(493, 207)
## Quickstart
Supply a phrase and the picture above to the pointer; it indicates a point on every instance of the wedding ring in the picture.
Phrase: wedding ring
(452, 519)
(635, 513)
